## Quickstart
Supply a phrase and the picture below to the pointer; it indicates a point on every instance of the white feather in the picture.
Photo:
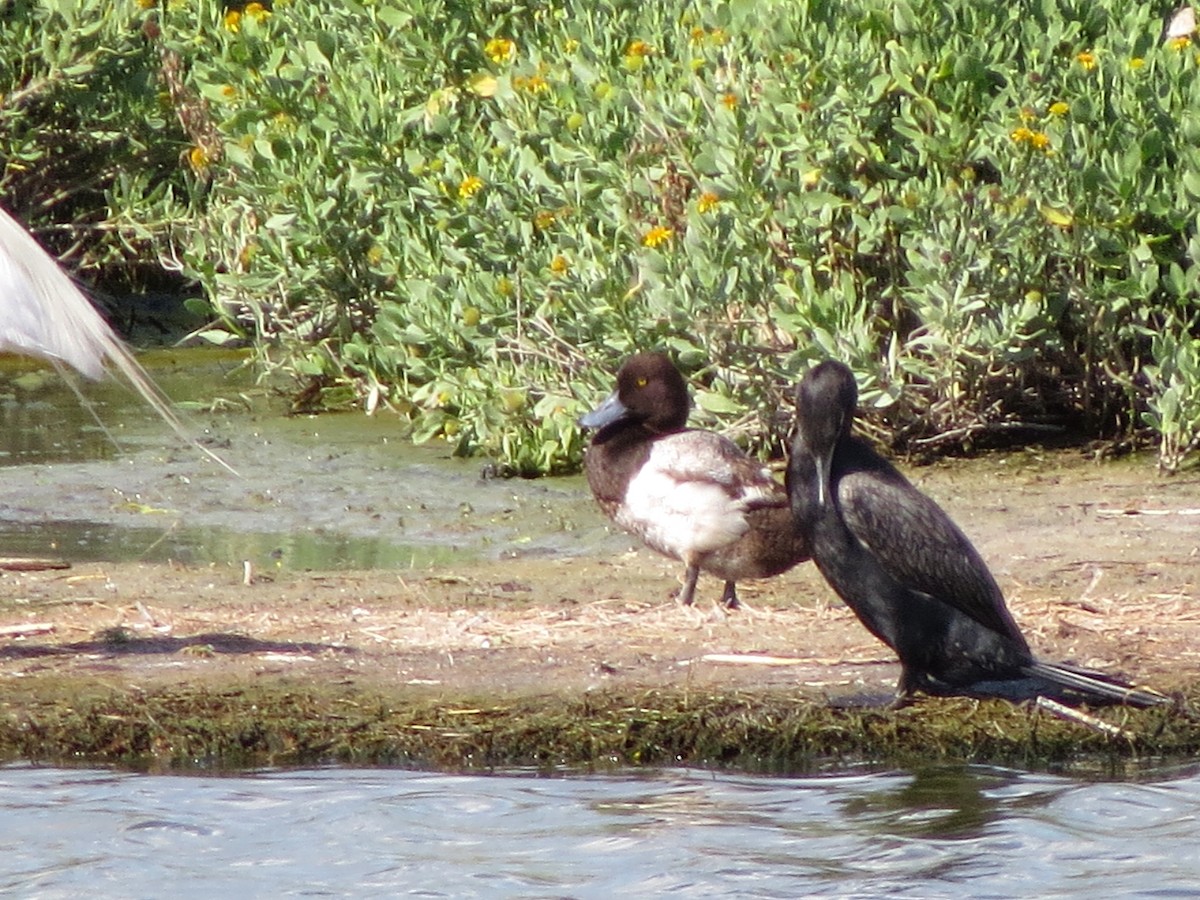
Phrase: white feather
(43, 313)
(681, 513)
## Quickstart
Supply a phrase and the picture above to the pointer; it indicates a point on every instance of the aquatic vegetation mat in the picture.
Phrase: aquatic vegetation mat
(182, 728)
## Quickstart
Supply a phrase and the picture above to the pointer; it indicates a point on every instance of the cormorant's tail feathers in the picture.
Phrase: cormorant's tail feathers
(1096, 686)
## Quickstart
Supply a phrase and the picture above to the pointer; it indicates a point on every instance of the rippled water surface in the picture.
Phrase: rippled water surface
(941, 832)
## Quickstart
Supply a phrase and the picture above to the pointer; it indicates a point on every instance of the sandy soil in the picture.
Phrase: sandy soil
(1101, 565)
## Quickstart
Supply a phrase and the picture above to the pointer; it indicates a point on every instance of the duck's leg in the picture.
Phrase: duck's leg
(688, 592)
(730, 597)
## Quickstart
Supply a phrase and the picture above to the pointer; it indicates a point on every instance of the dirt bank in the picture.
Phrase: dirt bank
(531, 660)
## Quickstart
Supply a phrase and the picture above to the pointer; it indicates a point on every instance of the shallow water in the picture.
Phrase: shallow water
(328, 492)
(956, 832)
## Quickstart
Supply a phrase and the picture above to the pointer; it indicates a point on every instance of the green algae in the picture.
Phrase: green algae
(253, 725)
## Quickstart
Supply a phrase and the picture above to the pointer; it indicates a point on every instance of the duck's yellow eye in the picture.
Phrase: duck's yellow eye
(642, 382)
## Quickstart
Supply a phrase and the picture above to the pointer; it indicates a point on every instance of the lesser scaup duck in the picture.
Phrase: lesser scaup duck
(908, 572)
(691, 495)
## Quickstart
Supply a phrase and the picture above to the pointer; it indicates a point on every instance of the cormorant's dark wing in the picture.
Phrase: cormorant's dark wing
(918, 545)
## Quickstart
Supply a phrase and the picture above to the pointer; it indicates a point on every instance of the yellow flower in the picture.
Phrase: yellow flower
(198, 159)
(1059, 109)
(247, 254)
(1027, 114)
(470, 186)
(656, 236)
(635, 55)
(233, 20)
(504, 286)
(228, 91)
(559, 265)
(1087, 59)
(147, 4)
(1136, 63)
(570, 45)
(698, 34)
(1179, 44)
(708, 202)
(374, 255)
(543, 219)
(1039, 140)
(500, 49)
(257, 12)
(534, 84)
(730, 101)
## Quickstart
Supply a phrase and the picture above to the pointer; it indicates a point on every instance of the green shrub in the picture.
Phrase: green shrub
(469, 212)
(89, 141)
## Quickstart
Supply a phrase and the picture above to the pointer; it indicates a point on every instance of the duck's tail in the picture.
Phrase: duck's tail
(1074, 685)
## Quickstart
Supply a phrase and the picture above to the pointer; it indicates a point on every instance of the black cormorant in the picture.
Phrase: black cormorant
(908, 572)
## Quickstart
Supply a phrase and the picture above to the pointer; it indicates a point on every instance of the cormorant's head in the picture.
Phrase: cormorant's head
(825, 403)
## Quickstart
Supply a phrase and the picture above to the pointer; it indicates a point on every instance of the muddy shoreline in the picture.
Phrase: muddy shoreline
(470, 624)
(569, 663)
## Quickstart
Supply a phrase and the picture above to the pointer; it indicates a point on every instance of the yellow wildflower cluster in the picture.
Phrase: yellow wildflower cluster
(470, 186)
(1039, 140)
(716, 36)
(1179, 44)
(1087, 59)
(729, 101)
(708, 202)
(635, 55)
(500, 50)
(559, 265)
(1059, 109)
(255, 11)
(657, 236)
(533, 84)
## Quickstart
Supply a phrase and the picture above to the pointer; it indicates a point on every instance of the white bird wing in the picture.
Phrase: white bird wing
(43, 313)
